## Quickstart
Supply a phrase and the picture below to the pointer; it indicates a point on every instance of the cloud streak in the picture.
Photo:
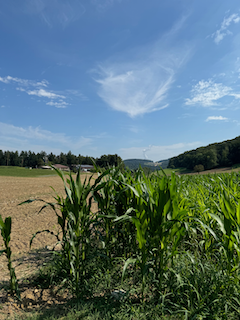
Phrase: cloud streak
(141, 84)
(137, 91)
(40, 89)
(221, 33)
(42, 93)
(216, 118)
(36, 135)
(207, 93)
(24, 82)
(60, 104)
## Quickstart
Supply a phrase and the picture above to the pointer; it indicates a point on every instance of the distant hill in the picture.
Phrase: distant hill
(215, 155)
(134, 164)
(163, 163)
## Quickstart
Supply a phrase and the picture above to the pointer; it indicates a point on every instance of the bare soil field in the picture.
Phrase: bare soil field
(217, 170)
(25, 222)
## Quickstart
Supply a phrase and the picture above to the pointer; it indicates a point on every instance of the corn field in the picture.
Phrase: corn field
(173, 241)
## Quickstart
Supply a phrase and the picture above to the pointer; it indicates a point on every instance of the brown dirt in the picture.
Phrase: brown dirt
(25, 222)
(217, 170)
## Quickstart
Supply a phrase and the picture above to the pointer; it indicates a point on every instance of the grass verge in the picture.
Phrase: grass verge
(24, 172)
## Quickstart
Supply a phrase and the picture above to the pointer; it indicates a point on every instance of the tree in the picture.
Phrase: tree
(109, 160)
(198, 168)
(14, 159)
(63, 159)
(2, 158)
(71, 158)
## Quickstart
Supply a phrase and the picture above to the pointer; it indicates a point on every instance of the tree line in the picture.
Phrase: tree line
(223, 154)
(36, 160)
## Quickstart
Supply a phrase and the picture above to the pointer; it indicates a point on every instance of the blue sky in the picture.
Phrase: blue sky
(143, 79)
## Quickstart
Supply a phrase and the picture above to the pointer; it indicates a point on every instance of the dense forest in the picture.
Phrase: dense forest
(223, 154)
(35, 160)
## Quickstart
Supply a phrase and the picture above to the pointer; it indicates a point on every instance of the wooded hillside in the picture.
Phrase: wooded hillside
(223, 154)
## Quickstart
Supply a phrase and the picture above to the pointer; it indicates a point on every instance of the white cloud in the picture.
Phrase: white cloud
(138, 81)
(218, 118)
(140, 85)
(157, 153)
(207, 93)
(60, 104)
(223, 31)
(137, 91)
(35, 135)
(42, 93)
(24, 82)
(39, 89)
(2, 106)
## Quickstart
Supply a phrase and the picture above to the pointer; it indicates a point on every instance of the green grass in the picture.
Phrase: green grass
(24, 172)
(168, 171)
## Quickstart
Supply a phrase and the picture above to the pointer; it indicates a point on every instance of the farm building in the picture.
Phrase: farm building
(61, 167)
(45, 167)
(86, 167)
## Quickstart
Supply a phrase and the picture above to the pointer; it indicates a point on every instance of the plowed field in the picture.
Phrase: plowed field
(26, 221)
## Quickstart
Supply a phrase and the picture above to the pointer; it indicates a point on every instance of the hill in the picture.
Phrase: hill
(134, 164)
(216, 155)
(163, 163)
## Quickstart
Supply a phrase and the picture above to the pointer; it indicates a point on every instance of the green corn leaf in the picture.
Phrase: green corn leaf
(126, 264)
(7, 227)
(219, 221)
(27, 201)
(1, 223)
(238, 213)
(2, 251)
(38, 232)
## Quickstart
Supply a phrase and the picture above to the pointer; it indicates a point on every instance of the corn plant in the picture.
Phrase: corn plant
(159, 224)
(76, 221)
(114, 198)
(228, 220)
(5, 227)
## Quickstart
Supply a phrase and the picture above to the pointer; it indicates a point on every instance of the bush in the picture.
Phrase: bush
(198, 168)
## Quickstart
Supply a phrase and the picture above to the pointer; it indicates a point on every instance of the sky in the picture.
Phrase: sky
(141, 79)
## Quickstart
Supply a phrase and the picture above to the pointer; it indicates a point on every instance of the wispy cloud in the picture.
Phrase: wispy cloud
(59, 104)
(37, 135)
(55, 12)
(102, 5)
(42, 93)
(224, 29)
(216, 118)
(207, 93)
(40, 89)
(157, 153)
(140, 84)
(138, 91)
(77, 93)
(24, 82)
